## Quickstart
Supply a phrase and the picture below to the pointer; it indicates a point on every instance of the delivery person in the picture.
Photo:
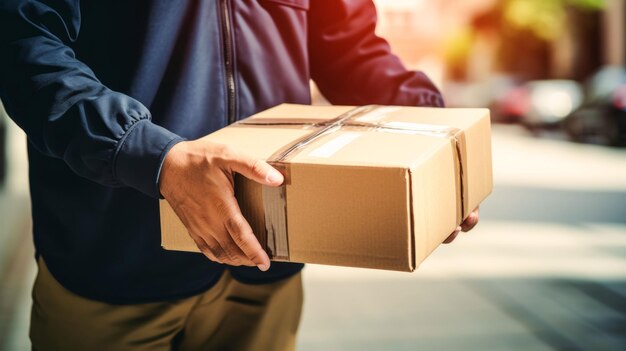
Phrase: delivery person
(115, 97)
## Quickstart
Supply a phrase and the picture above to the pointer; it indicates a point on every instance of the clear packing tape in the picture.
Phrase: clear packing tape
(275, 240)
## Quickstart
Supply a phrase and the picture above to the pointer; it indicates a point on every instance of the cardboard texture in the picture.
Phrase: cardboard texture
(380, 189)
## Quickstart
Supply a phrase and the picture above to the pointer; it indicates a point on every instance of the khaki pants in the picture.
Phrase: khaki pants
(229, 316)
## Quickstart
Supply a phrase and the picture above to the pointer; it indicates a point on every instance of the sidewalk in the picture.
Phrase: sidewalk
(507, 286)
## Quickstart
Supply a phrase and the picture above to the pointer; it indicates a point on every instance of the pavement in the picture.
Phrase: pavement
(544, 270)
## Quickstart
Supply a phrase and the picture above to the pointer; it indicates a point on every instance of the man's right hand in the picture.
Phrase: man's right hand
(197, 181)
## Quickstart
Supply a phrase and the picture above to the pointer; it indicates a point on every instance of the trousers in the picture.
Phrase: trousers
(229, 316)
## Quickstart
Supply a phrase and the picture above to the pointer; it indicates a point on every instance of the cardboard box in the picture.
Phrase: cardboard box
(374, 186)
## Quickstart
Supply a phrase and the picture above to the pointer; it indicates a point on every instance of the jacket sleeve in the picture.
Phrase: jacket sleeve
(65, 111)
(353, 66)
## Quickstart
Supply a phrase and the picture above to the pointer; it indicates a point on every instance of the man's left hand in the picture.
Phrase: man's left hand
(467, 225)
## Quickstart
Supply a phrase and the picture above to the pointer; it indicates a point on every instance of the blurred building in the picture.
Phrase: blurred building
(614, 32)
(529, 39)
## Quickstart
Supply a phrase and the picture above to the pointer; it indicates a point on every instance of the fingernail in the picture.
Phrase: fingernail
(263, 266)
(274, 177)
(458, 229)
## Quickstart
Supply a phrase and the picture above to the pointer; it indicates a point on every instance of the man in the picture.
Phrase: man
(115, 97)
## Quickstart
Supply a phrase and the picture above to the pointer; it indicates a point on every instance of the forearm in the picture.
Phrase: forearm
(353, 66)
(65, 110)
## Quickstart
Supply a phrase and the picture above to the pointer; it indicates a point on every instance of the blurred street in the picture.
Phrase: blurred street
(544, 270)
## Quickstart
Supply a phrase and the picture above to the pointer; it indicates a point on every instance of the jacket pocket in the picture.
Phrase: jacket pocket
(299, 4)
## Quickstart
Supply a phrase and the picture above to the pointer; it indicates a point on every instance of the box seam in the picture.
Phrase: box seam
(412, 264)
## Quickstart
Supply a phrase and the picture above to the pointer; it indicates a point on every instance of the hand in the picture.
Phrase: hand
(467, 225)
(197, 181)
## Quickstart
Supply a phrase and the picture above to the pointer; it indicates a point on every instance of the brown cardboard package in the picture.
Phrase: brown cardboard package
(375, 186)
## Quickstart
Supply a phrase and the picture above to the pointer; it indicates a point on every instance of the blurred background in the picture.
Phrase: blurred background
(546, 267)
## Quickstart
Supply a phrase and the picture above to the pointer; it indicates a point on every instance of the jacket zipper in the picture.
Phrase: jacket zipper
(229, 64)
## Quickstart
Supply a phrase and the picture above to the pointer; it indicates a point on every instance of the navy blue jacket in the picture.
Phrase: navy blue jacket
(103, 89)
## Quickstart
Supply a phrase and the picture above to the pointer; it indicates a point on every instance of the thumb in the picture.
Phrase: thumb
(257, 170)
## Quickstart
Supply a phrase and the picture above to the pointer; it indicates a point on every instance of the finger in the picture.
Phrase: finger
(216, 249)
(452, 236)
(257, 170)
(470, 222)
(241, 233)
(243, 236)
(204, 248)
(234, 255)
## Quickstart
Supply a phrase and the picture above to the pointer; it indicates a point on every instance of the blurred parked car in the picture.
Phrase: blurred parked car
(487, 93)
(602, 118)
(511, 106)
(540, 103)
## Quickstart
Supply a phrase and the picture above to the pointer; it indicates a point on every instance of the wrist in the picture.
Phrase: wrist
(171, 164)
